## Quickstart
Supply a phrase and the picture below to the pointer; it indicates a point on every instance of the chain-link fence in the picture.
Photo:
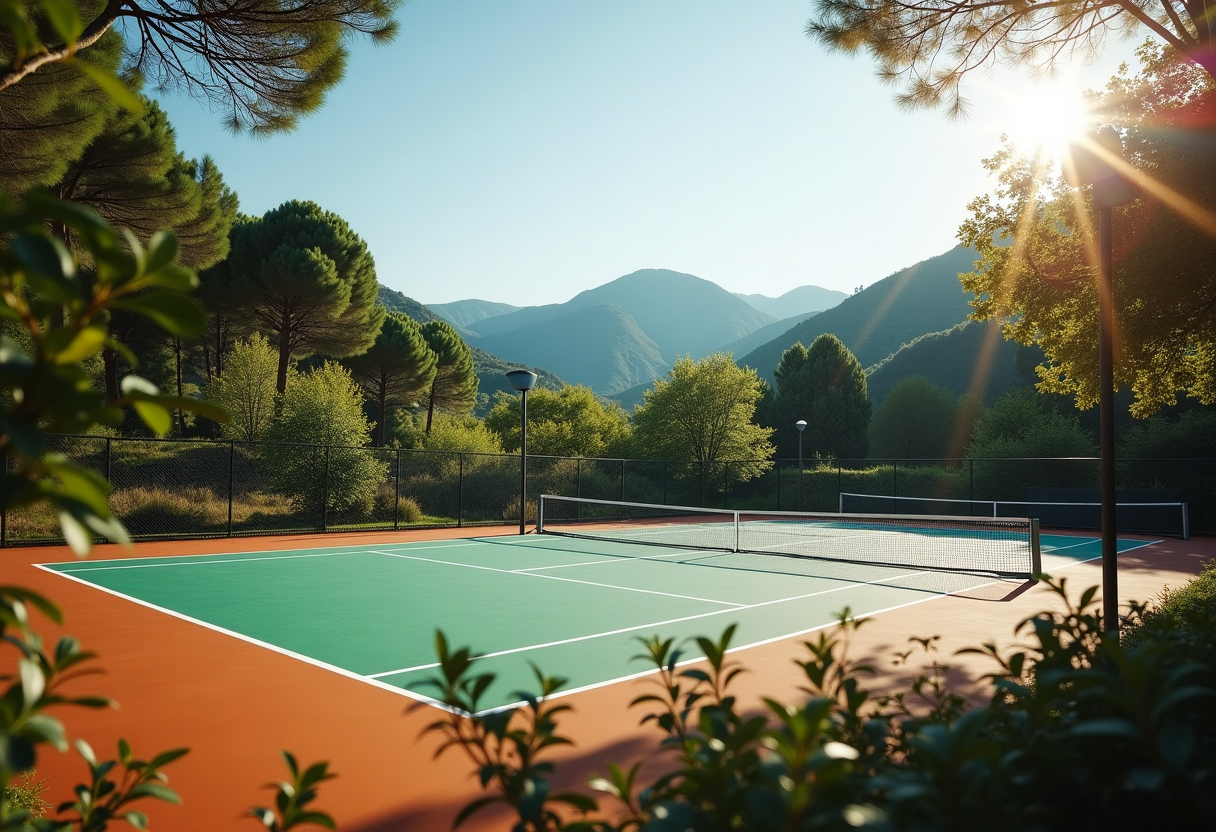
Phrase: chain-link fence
(169, 488)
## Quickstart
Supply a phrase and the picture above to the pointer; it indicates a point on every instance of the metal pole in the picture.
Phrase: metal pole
(800, 470)
(664, 482)
(325, 499)
(231, 456)
(459, 490)
(397, 493)
(523, 461)
(1106, 413)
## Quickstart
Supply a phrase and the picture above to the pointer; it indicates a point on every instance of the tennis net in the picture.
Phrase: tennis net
(1166, 518)
(1005, 547)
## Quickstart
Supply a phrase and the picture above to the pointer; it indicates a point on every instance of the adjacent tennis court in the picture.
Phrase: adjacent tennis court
(572, 606)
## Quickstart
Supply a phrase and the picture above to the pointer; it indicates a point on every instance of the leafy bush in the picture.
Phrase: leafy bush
(1080, 733)
(323, 408)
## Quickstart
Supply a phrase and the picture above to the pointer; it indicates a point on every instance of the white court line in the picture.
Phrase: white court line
(607, 559)
(201, 561)
(556, 578)
(653, 624)
(1140, 544)
(418, 697)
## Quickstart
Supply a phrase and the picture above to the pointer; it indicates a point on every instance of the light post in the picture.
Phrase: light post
(523, 381)
(801, 425)
(1090, 163)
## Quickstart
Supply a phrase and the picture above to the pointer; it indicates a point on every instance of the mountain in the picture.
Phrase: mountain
(877, 321)
(680, 313)
(764, 334)
(599, 346)
(801, 301)
(970, 357)
(468, 312)
(490, 368)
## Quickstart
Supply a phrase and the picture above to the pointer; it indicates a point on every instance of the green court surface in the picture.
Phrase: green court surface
(573, 607)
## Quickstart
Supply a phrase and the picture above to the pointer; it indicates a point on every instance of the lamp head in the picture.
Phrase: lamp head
(801, 425)
(1090, 158)
(521, 380)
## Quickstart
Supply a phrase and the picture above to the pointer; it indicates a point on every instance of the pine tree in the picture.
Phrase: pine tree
(397, 370)
(454, 389)
(826, 386)
(306, 280)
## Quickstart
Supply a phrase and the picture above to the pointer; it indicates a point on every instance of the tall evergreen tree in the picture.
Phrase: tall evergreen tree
(826, 386)
(262, 63)
(454, 388)
(397, 370)
(48, 121)
(307, 280)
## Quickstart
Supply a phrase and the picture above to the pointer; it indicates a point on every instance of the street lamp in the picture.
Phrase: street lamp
(523, 381)
(801, 425)
(1089, 162)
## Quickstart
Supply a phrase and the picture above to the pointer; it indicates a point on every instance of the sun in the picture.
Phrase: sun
(1045, 117)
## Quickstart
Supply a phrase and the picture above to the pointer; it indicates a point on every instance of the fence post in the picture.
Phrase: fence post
(1203, 512)
(971, 487)
(778, 483)
(325, 499)
(397, 494)
(4, 504)
(702, 484)
(725, 484)
(839, 478)
(894, 480)
(459, 490)
(578, 482)
(664, 482)
(622, 480)
(109, 482)
(231, 456)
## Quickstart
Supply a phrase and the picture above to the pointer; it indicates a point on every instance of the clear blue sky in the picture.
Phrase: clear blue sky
(525, 151)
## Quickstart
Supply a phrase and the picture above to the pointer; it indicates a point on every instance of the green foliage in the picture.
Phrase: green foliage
(826, 386)
(1192, 434)
(463, 434)
(51, 391)
(931, 48)
(306, 280)
(702, 412)
(1020, 424)
(26, 796)
(569, 422)
(292, 797)
(454, 387)
(264, 63)
(1043, 286)
(1072, 712)
(395, 371)
(1189, 609)
(916, 421)
(324, 409)
(246, 390)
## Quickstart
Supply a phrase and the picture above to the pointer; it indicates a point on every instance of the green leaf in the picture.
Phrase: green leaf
(176, 278)
(87, 343)
(137, 819)
(157, 418)
(33, 682)
(47, 729)
(172, 311)
(156, 790)
(48, 256)
(136, 384)
(64, 18)
(162, 250)
(112, 86)
(76, 535)
(203, 408)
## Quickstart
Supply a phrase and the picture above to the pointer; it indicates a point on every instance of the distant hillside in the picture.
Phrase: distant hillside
(469, 312)
(801, 301)
(490, 368)
(877, 321)
(680, 313)
(634, 396)
(971, 357)
(599, 346)
(764, 334)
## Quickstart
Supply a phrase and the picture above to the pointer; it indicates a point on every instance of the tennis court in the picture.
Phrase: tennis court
(572, 606)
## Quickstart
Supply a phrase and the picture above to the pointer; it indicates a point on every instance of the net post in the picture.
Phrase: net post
(840, 498)
(1036, 553)
(540, 513)
(1186, 521)
(736, 531)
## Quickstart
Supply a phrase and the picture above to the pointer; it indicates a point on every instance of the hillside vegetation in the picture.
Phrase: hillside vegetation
(970, 357)
(876, 322)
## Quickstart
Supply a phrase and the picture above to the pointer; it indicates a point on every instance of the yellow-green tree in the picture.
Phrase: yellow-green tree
(702, 412)
(246, 390)
(1036, 240)
(567, 422)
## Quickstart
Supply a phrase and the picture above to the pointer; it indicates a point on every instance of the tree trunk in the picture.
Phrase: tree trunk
(430, 410)
(177, 356)
(284, 353)
(109, 359)
(381, 417)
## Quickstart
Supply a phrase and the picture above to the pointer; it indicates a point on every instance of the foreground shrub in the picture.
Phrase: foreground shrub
(1080, 733)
